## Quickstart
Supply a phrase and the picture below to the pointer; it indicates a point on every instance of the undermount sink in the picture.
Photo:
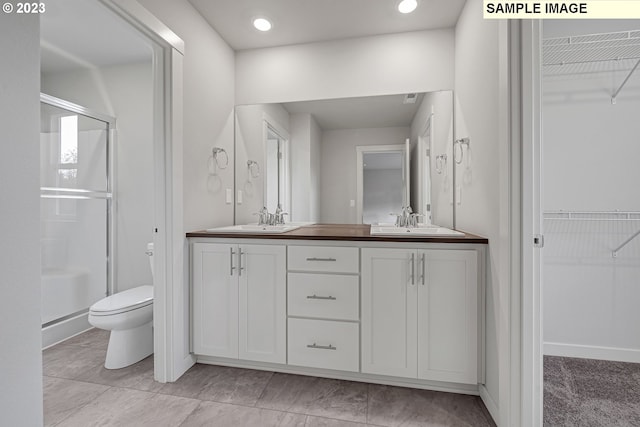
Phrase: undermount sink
(255, 228)
(420, 231)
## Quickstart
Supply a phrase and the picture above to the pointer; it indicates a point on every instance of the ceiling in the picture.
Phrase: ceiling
(84, 34)
(306, 21)
(358, 113)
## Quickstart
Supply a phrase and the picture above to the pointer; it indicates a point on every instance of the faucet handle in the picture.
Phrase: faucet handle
(280, 217)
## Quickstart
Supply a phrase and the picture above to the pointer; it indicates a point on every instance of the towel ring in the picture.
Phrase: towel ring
(254, 168)
(459, 143)
(220, 151)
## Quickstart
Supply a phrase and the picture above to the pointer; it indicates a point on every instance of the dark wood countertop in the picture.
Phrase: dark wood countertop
(344, 232)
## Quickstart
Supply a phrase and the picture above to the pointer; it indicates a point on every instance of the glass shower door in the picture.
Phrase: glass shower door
(75, 209)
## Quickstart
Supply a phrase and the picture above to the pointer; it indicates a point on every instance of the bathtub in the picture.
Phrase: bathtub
(64, 292)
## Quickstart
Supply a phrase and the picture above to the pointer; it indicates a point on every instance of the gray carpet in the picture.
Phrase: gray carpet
(586, 392)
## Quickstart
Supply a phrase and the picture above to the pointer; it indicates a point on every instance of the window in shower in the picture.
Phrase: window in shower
(75, 209)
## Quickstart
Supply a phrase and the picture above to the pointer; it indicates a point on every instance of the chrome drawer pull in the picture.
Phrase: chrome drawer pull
(314, 296)
(322, 347)
(231, 267)
(321, 259)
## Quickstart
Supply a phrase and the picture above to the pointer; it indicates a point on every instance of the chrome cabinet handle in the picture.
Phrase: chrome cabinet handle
(231, 267)
(322, 347)
(321, 259)
(314, 296)
(411, 269)
(240, 263)
(422, 268)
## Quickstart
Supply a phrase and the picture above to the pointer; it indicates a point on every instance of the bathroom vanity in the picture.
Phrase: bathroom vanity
(335, 301)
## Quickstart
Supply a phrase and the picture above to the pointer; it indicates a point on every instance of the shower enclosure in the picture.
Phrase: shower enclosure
(75, 221)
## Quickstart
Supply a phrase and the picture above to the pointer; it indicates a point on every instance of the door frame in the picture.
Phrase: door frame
(360, 151)
(529, 99)
(171, 298)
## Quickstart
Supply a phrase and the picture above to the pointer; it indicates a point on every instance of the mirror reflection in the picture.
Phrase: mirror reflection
(347, 161)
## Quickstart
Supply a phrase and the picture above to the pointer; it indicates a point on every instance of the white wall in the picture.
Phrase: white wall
(208, 112)
(419, 61)
(338, 168)
(125, 92)
(20, 355)
(478, 87)
(590, 164)
(305, 164)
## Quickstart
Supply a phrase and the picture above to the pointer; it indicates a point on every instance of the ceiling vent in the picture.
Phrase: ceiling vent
(410, 98)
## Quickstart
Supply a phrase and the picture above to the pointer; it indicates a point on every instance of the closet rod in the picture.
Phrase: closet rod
(613, 98)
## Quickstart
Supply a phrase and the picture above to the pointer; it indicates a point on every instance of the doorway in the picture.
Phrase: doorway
(581, 90)
(382, 184)
(170, 302)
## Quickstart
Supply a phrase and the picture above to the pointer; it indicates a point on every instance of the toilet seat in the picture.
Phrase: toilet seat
(124, 301)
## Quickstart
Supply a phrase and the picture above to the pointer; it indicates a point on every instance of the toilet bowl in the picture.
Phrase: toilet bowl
(129, 317)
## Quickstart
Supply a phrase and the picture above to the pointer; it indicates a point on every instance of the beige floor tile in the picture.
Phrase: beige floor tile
(213, 414)
(69, 361)
(126, 407)
(220, 384)
(138, 376)
(95, 338)
(342, 400)
(397, 406)
(328, 422)
(65, 397)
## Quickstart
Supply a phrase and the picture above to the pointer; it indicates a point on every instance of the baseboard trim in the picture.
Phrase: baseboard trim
(61, 331)
(344, 375)
(592, 352)
(489, 403)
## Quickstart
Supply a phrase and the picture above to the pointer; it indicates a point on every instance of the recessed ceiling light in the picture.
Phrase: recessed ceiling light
(262, 24)
(407, 6)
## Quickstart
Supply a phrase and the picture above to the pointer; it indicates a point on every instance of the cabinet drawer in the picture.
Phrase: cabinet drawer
(328, 296)
(323, 258)
(324, 344)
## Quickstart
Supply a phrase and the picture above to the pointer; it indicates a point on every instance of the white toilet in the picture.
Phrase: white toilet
(129, 317)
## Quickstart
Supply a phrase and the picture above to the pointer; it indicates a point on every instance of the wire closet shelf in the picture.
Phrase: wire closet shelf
(617, 52)
(622, 227)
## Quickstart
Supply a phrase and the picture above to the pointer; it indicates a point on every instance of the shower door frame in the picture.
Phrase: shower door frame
(110, 190)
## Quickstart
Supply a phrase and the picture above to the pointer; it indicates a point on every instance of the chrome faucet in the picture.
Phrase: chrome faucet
(407, 218)
(263, 216)
(266, 218)
(279, 216)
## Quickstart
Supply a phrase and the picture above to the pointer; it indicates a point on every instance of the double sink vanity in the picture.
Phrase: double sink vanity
(347, 301)
(395, 304)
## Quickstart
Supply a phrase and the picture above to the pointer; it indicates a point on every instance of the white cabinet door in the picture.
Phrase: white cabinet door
(262, 310)
(215, 300)
(389, 312)
(448, 316)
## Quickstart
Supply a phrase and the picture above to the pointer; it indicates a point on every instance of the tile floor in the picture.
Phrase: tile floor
(79, 391)
(590, 393)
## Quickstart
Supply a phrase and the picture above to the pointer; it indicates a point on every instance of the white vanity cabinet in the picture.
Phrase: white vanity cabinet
(323, 307)
(420, 313)
(399, 311)
(239, 301)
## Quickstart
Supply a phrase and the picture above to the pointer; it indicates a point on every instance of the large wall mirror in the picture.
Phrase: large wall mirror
(349, 161)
